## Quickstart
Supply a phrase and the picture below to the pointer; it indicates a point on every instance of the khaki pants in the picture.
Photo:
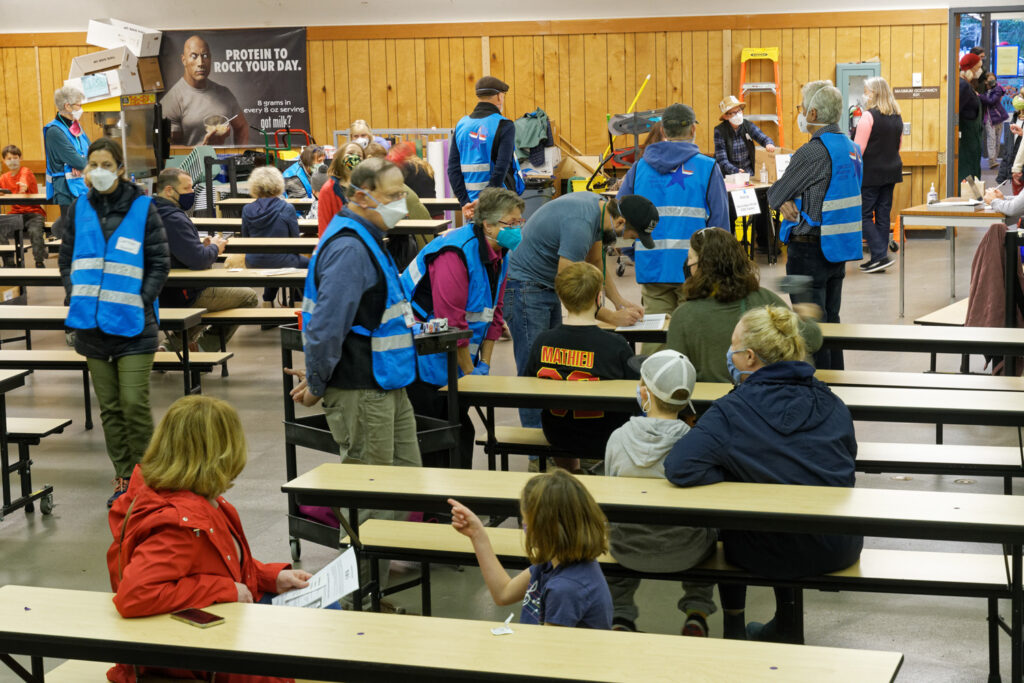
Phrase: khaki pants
(660, 298)
(215, 299)
(373, 427)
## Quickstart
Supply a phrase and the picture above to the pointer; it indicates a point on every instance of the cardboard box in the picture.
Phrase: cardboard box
(111, 33)
(761, 156)
(118, 68)
(149, 74)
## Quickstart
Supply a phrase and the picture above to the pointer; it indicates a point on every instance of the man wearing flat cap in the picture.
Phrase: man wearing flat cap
(688, 189)
(484, 151)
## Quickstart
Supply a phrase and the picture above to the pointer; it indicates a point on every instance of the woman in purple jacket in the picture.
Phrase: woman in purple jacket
(993, 114)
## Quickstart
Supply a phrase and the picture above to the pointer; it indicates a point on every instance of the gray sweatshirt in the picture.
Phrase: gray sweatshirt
(638, 449)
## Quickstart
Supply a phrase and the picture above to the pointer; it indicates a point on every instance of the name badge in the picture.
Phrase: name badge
(129, 245)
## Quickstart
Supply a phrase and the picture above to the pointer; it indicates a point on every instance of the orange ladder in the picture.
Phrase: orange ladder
(775, 87)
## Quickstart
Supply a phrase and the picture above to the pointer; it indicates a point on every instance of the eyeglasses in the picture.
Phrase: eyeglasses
(513, 224)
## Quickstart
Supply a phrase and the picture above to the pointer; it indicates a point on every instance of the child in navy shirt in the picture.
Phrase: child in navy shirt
(565, 534)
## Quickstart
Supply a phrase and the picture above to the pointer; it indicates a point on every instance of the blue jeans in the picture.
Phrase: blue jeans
(875, 209)
(529, 309)
(805, 258)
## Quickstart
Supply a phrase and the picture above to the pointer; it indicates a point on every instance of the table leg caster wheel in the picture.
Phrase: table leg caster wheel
(296, 549)
(621, 270)
(46, 504)
(894, 246)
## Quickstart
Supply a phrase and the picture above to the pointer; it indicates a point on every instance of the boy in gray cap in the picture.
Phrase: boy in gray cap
(638, 449)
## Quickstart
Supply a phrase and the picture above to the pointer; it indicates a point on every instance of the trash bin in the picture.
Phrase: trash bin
(538, 192)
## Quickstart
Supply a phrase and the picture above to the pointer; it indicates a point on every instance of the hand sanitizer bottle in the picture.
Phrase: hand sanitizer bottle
(764, 174)
(933, 196)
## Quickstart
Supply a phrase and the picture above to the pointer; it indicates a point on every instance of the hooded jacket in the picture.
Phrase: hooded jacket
(111, 210)
(638, 449)
(780, 426)
(666, 157)
(175, 550)
(271, 217)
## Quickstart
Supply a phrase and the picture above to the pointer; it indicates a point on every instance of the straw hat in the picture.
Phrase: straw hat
(728, 103)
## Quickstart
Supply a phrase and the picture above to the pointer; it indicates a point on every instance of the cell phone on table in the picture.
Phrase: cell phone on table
(198, 618)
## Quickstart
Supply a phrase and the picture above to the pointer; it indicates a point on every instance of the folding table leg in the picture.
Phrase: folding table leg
(88, 399)
(1017, 615)
(993, 640)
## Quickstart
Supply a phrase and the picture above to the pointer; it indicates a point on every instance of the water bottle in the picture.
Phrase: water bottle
(764, 174)
(933, 196)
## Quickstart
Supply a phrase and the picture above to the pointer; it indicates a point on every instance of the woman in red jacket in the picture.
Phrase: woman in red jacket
(332, 195)
(177, 542)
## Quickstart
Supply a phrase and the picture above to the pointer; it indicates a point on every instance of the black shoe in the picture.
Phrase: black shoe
(623, 624)
(771, 632)
(877, 266)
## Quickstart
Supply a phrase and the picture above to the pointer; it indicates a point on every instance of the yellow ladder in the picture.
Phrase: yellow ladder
(775, 87)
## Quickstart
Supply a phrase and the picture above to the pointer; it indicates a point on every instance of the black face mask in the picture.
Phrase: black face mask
(687, 271)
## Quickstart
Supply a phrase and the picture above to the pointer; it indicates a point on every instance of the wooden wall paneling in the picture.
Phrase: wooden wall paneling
(813, 50)
(715, 93)
(701, 94)
(539, 93)
(788, 85)
(595, 65)
(457, 66)
(940, 170)
(359, 81)
(576, 92)
(446, 76)
(46, 88)
(618, 98)
(405, 80)
(630, 80)
(420, 83)
(524, 77)
(847, 44)
(827, 54)
(770, 38)
(565, 109)
(687, 74)
(917, 66)
(473, 50)
(727, 61)
(674, 74)
(341, 81)
(885, 52)
(868, 43)
(512, 99)
(660, 76)
(553, 85)
(740, 40)
(432, 94)
(497, 57)
(645, 46)
(13, 99)
(330, 107)
(384, 95)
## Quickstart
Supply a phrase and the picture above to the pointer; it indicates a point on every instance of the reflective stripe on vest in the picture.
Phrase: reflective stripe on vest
(681, 199)
(296, 171)
(475, 141)
(841, 210)
(480, 300)
(76, 186)
(391, 342)
(106, 275)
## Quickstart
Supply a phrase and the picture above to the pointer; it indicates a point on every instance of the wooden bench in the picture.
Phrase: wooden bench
(872, 457)
(27, 432)
(69, 359)
(967, 517)
(334, 645)
(889, 571)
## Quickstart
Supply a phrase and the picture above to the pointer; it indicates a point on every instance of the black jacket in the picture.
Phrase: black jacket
(111, 209)
(882, 163)
(725, 129)
(186, 251)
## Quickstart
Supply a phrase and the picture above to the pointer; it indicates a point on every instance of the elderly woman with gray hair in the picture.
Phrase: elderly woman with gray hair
(66, 146)
(270, 216)
(819, 198)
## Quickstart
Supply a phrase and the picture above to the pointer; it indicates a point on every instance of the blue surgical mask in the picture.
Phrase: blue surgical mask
(737, 375)
(509, 238)
(640, 401)
(186, 200)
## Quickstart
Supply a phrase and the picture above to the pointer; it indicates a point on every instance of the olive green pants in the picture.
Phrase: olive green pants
(660, 298)
(122, 387)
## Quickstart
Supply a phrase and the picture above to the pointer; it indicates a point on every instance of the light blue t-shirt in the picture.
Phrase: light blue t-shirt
(574, 595)
(566, 227)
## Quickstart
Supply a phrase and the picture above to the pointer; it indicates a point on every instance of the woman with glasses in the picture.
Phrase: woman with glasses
(721, 285)
(461, 277)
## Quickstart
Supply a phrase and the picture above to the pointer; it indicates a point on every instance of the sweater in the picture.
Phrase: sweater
(701, 330)
(271, 217)
(638, 449)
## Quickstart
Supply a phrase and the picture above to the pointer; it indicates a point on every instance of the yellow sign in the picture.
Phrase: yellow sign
(132, 100)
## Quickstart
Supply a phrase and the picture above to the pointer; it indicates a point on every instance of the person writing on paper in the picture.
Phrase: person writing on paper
(1012, 208)
(565, 532)
(201, 111)
(177, 543)
(722, 284)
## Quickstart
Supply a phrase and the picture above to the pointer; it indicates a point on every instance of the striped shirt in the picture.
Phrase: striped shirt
(806, 178)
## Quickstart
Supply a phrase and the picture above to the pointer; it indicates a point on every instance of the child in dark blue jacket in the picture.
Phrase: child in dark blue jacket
(779, 426)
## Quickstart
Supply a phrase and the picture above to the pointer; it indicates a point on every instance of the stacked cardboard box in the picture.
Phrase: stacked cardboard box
(128, 66)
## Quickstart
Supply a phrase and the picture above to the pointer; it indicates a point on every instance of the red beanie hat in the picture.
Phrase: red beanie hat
(969, 61)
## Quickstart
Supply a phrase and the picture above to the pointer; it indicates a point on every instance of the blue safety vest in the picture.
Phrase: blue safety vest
(480, 303)
(841, 210)
(296, 171)
(475, 140)
(106, 275)
(391, 343)
(76, 186)
(681, 200)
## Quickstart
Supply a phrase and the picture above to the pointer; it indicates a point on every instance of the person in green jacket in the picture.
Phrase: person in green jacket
(721, 285)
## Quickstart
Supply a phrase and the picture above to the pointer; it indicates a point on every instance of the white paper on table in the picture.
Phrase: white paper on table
(745, 201)
(782, 163)
(339, 578)
(650, 321)
(281, 271)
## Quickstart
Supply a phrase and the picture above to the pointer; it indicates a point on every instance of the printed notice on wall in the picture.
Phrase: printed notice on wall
(224, 84)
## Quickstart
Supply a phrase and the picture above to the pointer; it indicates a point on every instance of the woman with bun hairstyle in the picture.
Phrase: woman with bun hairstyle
(779, 426)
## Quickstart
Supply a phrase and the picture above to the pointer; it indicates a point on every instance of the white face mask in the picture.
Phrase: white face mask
(102, 179)
(801, 122)
(363, 142)
(14, 164)
(736, 119)
(76, 114)
(392, 212)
